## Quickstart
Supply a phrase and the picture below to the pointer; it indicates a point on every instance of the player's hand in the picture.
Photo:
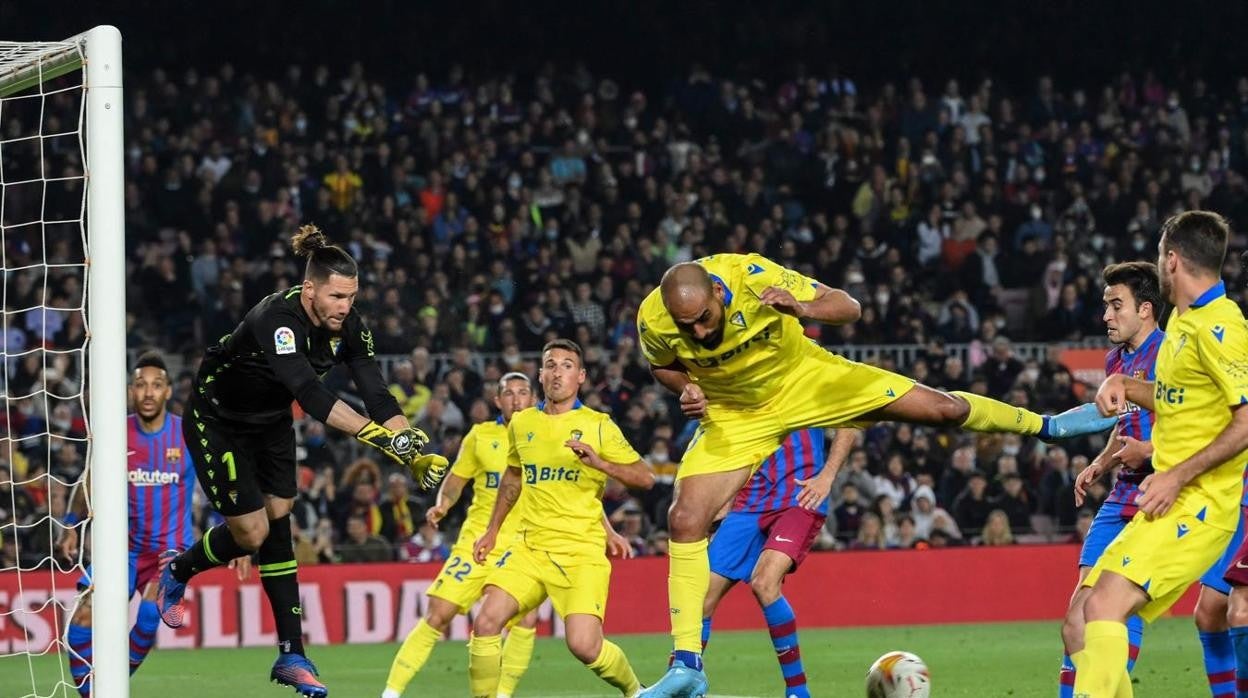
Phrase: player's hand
(585, 452)
(783, 301)
(241, 567)
(402, 446)
(1111, 397)
(618, 546)
(429, 470)
(484, 545)
(435, 514)
(68, 545)
(1158, 493)
(1084, 480)
(693, 401)
(814, 491)
(1133, 453)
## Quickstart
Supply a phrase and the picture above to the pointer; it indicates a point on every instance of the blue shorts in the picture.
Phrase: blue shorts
(1213, 578)
(143, 568)
(1105, 528)
(743, 536)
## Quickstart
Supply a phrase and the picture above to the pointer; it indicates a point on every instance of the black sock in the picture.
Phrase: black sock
(279, 575)
(216, 548)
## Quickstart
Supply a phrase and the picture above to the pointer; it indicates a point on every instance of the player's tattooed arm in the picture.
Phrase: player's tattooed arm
(508, 495)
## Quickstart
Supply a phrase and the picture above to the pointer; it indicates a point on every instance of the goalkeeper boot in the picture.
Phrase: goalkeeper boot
(1076, 421)
(298, 672)
(680, 681)
(169, 593)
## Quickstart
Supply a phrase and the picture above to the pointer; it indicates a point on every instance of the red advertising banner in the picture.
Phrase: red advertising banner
(1087, 366)
(365, 603)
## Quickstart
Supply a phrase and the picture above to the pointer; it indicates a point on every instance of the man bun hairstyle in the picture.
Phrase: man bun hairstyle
(1141, 279)
(323, 258)
(1199, 237)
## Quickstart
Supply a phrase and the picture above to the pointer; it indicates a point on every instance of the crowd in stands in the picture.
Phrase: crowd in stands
(491, 213)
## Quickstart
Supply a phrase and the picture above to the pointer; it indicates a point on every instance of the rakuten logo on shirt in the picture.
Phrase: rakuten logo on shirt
(152, 478)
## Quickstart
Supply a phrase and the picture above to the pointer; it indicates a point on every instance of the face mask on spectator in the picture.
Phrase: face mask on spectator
(1010, 450)
(1098, 242)
(1035, 212)
(881, 299)
(1138, 244)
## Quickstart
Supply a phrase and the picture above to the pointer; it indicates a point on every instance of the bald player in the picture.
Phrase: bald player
(724, 333)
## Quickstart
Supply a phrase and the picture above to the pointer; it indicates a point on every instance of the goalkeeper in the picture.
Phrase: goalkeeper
(240, 432)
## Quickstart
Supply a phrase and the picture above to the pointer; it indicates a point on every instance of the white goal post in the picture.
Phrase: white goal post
(25, 69)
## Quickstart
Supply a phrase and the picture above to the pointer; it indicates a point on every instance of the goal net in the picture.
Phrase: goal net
(62, 351)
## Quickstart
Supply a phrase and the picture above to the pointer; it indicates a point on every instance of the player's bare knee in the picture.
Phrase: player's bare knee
(766, 588)
(585, 646)
(439, 617)
(82, 613)
(1072, 629)
(953, 410)
(684, 524)
(1237, 607)
(250, 531)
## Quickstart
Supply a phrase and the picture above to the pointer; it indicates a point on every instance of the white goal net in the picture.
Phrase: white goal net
(50, 433)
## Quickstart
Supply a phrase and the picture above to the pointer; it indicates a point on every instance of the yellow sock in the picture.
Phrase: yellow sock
(517, 651)
(689, 575)
(988, 415)
(484, 665)
(613, 667)
(412, 655)
(1100, 668)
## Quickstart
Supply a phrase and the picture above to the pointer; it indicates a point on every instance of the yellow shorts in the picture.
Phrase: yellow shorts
(1164, 556)
(462, 579)
(823, 390)
(576, 583)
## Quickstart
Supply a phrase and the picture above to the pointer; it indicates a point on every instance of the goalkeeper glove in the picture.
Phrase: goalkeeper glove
(429, 470)
(402, 446)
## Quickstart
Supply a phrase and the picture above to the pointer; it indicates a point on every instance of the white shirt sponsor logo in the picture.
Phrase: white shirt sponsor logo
(153, 478)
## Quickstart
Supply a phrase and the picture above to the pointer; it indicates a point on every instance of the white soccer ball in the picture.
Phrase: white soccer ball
(898, 675)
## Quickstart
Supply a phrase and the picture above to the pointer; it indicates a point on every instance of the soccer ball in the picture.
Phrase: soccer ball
(898, 675)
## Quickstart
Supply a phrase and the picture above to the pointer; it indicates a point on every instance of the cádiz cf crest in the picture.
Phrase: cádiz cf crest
(577, 434)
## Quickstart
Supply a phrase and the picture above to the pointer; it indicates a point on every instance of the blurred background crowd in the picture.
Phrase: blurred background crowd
(494, 209)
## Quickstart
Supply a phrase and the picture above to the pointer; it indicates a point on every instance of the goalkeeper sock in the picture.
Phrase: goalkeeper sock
(279, 574)
(782, 625)
(216, 548)
(79, 639)
(484, 665)
(988, 415)
(1219, 663)
(517, 653)
(412, 656)
(143, 634)
(613, 667)
(689, 576)
(1101, 667)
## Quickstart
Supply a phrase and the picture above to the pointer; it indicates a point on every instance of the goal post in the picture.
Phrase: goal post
(62, 295)
(105, 377)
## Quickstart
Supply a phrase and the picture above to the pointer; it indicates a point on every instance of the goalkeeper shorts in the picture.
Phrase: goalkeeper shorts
(239, 464)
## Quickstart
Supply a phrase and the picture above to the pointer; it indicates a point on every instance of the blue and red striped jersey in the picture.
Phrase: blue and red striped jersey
(162, 485)
(772, 487)
(1137, 422)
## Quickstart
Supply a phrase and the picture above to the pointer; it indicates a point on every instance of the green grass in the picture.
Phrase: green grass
(1006, 659)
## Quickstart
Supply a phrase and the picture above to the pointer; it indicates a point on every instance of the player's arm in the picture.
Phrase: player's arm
(75, 511)
(617, 545)
(668, 371)
(465, 469)
(1098, 467)
(508, 495)
(816, 489)
(831, 306)
(617, 460)
(362, 362)
(1117, 390)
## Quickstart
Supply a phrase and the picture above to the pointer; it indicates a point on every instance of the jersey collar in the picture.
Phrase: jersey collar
(541, 406)
(499, 420)
(727, 291)
(1217, 291)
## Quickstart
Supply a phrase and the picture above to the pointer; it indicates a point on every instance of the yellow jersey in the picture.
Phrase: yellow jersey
(482, 459)
(562, 496)
(759, 343)
(1202, 371)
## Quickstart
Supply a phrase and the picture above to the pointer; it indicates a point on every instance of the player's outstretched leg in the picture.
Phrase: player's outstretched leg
(924, 405)
(765, 582)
